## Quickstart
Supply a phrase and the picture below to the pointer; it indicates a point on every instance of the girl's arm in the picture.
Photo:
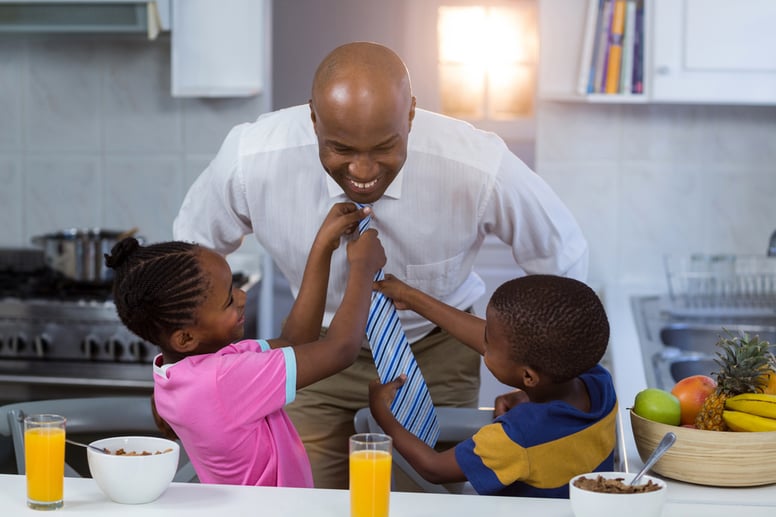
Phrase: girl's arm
(465, 327)
(340, 346)
(304, 321)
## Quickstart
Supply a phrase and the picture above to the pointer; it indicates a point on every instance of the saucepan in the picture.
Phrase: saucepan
(78, 253)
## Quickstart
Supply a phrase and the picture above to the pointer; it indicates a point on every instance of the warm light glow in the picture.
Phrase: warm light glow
(487, 58)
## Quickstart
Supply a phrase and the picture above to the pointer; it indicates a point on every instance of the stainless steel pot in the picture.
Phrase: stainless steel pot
(79, 253)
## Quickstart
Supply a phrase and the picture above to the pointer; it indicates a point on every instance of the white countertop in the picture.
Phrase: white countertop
(629, 379)
(83, 498)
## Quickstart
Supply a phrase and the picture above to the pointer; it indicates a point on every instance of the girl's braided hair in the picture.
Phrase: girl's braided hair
(156, 288)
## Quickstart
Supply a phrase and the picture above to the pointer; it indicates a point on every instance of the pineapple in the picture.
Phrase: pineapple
(742, 362)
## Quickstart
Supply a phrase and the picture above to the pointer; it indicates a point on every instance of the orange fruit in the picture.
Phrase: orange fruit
(692, 392)
(770, 387)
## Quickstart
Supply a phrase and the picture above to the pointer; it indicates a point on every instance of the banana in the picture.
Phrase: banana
(754, 403)
(739, 421)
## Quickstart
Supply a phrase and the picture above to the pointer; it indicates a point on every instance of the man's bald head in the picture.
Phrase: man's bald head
(361, 68)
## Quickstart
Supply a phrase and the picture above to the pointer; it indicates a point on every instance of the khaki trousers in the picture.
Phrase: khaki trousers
(323, 412)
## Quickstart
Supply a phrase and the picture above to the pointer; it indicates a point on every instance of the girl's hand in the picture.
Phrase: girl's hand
(342, 219)
(396, 290)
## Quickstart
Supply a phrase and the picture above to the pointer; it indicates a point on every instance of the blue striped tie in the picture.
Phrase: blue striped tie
(412, 405)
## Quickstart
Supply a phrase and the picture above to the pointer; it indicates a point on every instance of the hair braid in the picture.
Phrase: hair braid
(157, 288)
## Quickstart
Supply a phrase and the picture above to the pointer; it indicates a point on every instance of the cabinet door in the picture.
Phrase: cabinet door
(714, 51)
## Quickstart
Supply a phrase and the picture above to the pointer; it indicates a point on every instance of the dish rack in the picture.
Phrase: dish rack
(726, 285)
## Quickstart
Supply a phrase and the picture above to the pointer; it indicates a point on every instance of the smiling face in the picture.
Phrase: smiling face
(362, 110)
(220, 318)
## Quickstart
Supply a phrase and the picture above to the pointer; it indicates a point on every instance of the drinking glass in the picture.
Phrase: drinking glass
(370, 474)
(44, 456)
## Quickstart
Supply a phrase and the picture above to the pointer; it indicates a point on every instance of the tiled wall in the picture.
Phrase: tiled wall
(647, 180)
(91, 137)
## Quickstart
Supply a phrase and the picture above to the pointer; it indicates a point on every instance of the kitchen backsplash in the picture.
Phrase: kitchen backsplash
(648, 180)
(90, 136)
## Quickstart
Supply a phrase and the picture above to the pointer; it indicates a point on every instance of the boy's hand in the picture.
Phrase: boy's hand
(507, 401)
(396, 290)
(381, 395)
(342, 219)
(367, 250)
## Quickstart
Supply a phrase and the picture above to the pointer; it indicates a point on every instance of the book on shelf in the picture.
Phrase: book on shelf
(638, 50)
(628, 41)
(589, 47)
(602, 56)
(614, 59)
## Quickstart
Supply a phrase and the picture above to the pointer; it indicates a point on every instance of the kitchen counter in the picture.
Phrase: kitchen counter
(82, 497)
(629, 379)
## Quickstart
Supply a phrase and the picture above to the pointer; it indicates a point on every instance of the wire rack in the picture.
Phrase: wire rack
(722, 283)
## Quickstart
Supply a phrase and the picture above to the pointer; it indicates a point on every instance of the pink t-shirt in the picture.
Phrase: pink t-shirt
(227, 410)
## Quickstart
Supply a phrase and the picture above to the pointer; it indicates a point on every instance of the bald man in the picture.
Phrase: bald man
(438, 187)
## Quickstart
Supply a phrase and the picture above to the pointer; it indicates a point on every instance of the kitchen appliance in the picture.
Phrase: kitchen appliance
(62, 338)
(79, 253)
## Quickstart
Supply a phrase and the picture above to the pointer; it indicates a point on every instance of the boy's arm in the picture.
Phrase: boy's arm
(463, 326)
(304, 320)
(433, 466)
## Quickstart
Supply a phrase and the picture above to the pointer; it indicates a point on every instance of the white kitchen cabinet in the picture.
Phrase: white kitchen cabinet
(220, 49)
(714, 51)
(696, 51)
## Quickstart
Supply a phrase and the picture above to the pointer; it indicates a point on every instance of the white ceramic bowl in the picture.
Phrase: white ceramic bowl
(586, 503)
(133, 479)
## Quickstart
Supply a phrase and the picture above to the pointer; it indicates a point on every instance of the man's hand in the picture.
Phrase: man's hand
(507, 401)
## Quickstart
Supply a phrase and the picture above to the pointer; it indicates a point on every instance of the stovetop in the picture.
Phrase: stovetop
(25, 276)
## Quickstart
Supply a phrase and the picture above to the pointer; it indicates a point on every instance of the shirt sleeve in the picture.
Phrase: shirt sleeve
(215, 211)
(528, 215)
(254, 384)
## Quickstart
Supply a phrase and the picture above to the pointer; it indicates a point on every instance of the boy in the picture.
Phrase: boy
(544, 335)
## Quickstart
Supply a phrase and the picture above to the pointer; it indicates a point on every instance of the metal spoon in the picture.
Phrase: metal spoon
(86, 446)
(665, 444)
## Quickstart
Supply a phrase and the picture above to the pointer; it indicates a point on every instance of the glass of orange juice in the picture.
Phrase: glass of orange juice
(44, 457)
(370, 474)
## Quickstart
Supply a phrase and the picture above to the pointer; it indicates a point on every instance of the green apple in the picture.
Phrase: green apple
(658, 405)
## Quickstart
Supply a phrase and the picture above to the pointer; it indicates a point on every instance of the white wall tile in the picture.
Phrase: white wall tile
(145, 192)
(11, 80)
(590, 191)
(662, 133)
(739, 209)
(741, 135)
(61, 192)
(206, 122)
(570, 132)
(61, 101)
(139, 114)
(11, 203)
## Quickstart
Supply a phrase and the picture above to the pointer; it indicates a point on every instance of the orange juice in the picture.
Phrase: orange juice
(370, 483)
(44, 455)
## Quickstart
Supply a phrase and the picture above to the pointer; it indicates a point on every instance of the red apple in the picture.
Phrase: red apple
(692, 392)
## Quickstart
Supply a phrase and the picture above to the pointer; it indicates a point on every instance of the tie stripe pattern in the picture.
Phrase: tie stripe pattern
(412, 405)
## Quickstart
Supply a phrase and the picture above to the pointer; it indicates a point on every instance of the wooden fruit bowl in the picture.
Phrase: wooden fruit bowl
(713, 458)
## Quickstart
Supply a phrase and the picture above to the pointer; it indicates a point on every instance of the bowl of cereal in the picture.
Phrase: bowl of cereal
(600, 494)
(133, 469)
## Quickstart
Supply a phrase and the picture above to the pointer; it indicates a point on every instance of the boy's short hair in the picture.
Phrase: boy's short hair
(556, 325)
